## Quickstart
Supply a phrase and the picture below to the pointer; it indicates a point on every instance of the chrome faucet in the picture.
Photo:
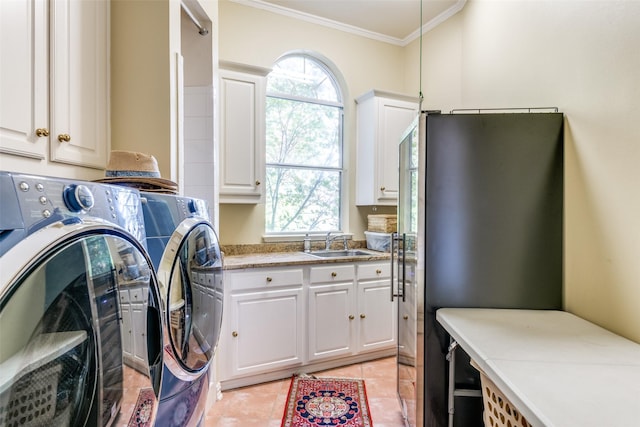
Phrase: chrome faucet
(329, 239)
(327, 242)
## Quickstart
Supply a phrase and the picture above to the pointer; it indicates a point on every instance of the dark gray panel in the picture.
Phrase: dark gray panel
(494, 210)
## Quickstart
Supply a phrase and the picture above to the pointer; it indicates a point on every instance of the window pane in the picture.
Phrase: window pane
(302, 77)
(300, 200)
(301, 133)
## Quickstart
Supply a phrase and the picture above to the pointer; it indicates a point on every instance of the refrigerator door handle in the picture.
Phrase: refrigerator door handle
(397, 255)
(394, 237)
(404, 266)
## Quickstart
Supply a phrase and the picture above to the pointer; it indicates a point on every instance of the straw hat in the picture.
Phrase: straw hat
(138, 170)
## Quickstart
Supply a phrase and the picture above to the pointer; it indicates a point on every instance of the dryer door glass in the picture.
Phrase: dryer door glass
(68, 350)
(195, 298)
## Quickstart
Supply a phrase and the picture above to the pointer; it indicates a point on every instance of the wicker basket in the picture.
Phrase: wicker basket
(498, 410)
(382, 223)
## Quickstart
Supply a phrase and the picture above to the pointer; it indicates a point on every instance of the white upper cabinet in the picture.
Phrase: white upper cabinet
(382, 117)
(54, 80)
(24, 91)
(79, 82)
(242, 128)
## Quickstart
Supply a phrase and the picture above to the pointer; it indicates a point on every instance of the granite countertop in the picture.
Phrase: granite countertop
(274, 259)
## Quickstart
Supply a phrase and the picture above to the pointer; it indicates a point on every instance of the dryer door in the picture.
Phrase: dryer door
(63, 358)
(190, 277)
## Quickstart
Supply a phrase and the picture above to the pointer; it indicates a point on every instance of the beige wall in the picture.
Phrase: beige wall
(582, 57)
(257, 37)
(579, 56)
(145, 41)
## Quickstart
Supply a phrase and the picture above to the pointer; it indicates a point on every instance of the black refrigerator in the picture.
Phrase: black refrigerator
(480, 224)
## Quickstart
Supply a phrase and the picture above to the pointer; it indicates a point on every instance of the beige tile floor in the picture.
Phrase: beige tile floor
(262, 405)
(133, 383)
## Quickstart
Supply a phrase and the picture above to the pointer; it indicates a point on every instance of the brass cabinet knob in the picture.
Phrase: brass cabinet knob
(257, 182)
(405, 317)
(234, 334)
(64, 137)
(378, 271)
(40, 132)
(383, 188)
(362, 316)
(334, 274)
(351, 317)
(269, 279)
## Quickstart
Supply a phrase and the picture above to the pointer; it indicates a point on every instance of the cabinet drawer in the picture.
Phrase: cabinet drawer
(204, 279)
(124, 296)
(374, 271)
(195, 277)
(332, 273)
(137, 295)
(259, 279)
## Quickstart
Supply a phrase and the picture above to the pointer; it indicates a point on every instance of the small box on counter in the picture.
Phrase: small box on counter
(382, 223)
(378, 241)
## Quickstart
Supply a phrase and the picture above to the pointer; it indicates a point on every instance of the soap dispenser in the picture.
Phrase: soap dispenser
(307, 243)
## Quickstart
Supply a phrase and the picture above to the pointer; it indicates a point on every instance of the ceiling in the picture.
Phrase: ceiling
(392, 21)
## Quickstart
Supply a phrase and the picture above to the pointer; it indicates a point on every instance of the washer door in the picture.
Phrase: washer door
(190, 277)
(63, 358)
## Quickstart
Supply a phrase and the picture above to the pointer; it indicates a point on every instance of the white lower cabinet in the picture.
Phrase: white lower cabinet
(376, 312)
(350, 310)
(407, 340)
(331, 311)
(263, 320)
(280, 321)
(133, 306)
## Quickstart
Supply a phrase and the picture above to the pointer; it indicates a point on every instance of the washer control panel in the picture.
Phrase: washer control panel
(78, 198)
(41, 198)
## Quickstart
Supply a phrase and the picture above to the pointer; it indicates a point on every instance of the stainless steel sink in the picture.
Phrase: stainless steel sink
(339, 253)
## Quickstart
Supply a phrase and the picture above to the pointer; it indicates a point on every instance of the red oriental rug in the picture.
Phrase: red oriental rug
(141, 417)
(321, 402)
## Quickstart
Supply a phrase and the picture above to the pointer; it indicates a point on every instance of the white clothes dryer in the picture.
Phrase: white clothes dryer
(68, 252)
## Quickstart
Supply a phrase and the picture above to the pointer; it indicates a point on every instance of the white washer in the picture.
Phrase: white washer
(184, 250)
(68, 250)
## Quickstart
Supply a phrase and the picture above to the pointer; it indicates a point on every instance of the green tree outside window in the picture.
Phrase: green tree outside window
(304, 116)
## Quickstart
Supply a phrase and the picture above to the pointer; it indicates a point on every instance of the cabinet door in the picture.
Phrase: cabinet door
(138, 300)
(376, 312)
(265, 331)
(407, 315)
(126, 326)
(382, 118)
(79, 82)
(24, 100)
(242, 99)
(393, 119)
(139, 320)
(376, 315)
(331, 317)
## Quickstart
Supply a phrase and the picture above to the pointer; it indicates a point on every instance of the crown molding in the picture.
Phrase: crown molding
(439, 19)
(258, 4)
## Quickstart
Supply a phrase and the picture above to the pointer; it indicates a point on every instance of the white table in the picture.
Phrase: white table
(556, 368)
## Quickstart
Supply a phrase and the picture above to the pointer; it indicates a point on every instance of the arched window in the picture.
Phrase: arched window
(304, 166)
